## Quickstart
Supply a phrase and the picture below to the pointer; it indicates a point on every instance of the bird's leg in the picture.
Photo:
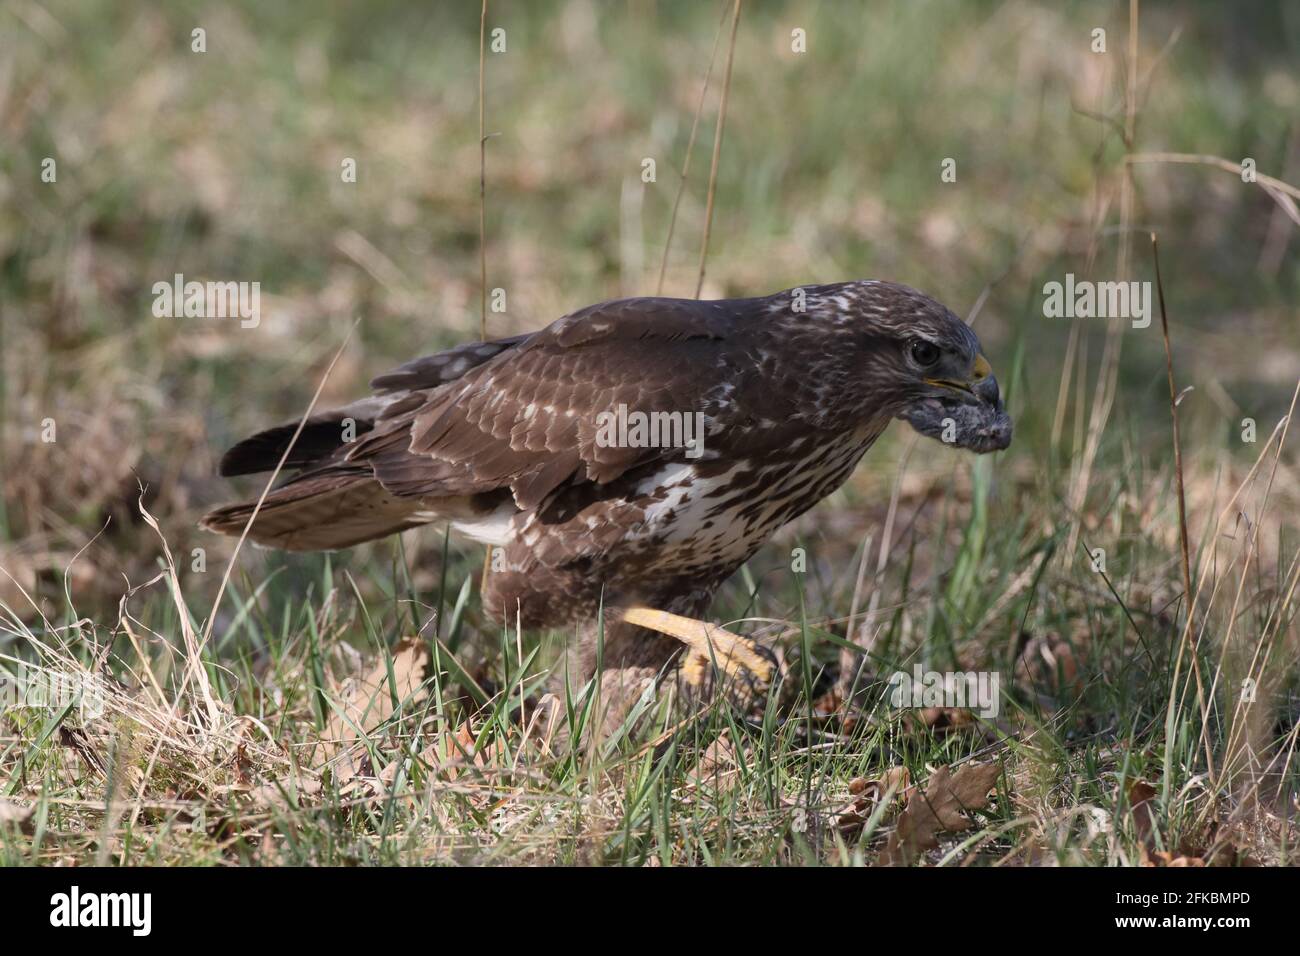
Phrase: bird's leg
(706, 644)
(639, 647)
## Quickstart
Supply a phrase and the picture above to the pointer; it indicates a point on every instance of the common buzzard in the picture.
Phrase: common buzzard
(570, 450)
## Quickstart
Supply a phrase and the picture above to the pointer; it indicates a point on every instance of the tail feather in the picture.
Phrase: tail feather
(337, 503)
(336, 508)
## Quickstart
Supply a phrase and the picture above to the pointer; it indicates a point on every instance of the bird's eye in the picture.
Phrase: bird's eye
(924, 353)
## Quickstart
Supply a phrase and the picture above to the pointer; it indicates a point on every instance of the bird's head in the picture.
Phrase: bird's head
(919, 361)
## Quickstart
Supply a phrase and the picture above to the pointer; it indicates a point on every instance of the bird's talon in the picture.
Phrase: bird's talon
(706, 643)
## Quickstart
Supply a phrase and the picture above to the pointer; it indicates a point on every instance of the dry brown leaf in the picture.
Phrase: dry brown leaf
(458, 749)
(717, 768)
(79, 742)
(451, 752)
(1145, 812)
(243, 765)
(946, 718)
(1141, 801)
(941, 806)
(448, 754)
(545, 725)
(369, 703)
(867, 794)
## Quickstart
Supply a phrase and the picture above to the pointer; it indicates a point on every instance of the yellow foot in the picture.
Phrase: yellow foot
(707, 643)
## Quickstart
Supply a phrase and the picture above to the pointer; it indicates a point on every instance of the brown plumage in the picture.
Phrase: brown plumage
(509, 441)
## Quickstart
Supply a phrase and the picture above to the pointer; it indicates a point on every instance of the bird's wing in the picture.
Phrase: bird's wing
(317, 442)
(528, 419)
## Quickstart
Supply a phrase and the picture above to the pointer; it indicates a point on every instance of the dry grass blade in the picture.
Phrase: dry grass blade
(482, 182)
(194, 648)
(1200, 159)
(1183, 545)
(1178, 445)
(690, 148)
(717, 149)
(1103, 398)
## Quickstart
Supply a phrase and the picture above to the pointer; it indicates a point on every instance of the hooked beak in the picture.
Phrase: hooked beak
(982, 385)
